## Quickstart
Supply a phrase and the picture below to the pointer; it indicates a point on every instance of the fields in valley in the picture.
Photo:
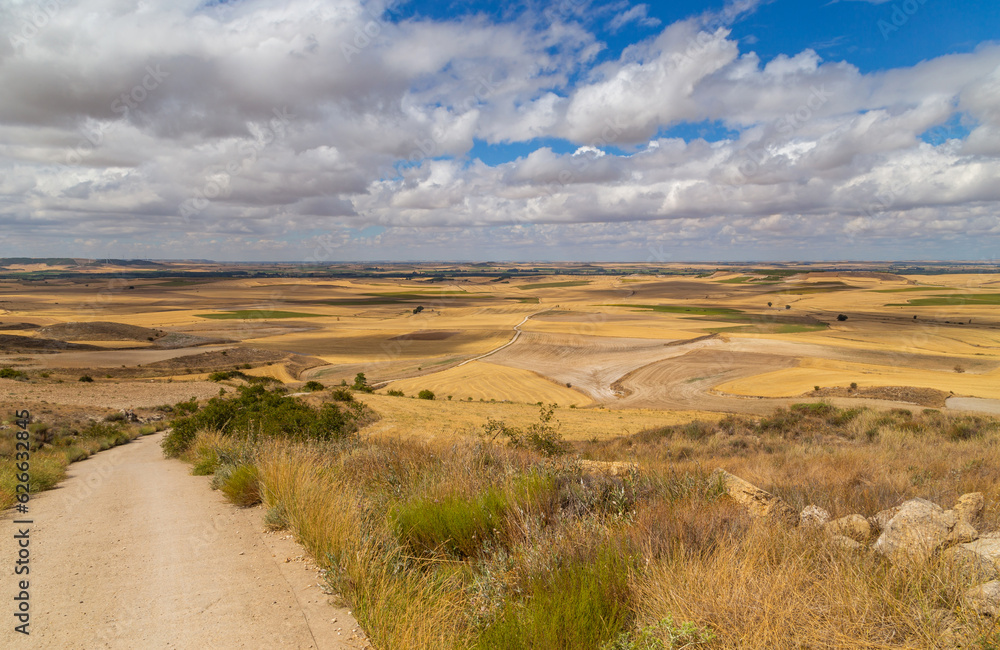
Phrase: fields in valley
(722, 341)
(644, 368)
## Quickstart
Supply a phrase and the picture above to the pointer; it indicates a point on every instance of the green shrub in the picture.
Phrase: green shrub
(184, 408)
(86, 378)
(10, 373)
(395, 393)
(583, 602)
(276, 518)
(425, 394)
(240, 484)
(115, 417)
(258, 413)
(342, 394)
(313, 386)
(664, 635)
(542, 436)
(454, 524)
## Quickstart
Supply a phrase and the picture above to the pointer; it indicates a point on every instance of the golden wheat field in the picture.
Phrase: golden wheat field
(712, 341)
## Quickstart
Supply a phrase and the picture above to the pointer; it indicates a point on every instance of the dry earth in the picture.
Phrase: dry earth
(131, 551)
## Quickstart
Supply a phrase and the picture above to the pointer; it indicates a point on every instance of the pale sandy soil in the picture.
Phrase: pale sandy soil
(131, 551)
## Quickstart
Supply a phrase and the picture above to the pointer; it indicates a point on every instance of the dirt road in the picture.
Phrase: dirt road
(131, 551)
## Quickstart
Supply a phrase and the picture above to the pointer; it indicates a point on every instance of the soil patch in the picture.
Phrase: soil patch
(15, 343)
(426, 335)
(922, 396)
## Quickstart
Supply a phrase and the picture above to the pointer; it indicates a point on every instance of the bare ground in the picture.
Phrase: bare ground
(131, 551)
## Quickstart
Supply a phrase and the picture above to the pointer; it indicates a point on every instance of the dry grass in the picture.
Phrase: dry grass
(474, 545)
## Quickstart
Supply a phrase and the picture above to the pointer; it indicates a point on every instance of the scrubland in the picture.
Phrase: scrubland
(515, 538)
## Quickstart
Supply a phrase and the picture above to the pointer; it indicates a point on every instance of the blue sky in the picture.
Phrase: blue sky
(337, 130)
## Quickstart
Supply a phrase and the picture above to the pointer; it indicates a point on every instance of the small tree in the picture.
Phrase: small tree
(361, 383)
(425, 394)
(769, 303)
(86, 378)
(841, 317)
(788, 306)
(418, 309)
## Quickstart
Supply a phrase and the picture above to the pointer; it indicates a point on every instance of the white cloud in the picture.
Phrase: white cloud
(284, 121)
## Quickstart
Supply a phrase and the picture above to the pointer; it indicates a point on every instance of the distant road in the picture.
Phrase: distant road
(517, 333)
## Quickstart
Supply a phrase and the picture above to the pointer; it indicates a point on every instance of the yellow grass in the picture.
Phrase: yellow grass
(483, 380)
(823, 372)
(443, 420)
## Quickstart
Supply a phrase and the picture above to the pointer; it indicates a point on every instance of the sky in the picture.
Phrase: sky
(573, 130)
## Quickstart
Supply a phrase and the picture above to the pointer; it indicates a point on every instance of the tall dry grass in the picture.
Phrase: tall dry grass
(482, 546)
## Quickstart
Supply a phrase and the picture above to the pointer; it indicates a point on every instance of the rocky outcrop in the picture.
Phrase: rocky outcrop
(813, 517)
(853, 527)
(969, 507)
(985, 599)
(919, 529)
(758, 502)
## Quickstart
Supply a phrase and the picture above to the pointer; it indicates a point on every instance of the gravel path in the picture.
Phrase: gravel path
(131, 551)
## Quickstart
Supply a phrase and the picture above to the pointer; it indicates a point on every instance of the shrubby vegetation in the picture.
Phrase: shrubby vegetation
(487, 545)
(256, 413)
(53, 448)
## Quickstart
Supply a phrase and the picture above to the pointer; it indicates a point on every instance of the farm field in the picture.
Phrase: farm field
(730, 340)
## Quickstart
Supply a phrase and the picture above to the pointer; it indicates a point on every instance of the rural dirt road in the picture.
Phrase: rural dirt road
(131, 551)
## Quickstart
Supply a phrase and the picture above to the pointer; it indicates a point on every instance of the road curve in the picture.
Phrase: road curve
(131, 551)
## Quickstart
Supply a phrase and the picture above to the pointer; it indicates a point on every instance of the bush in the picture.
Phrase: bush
(583, 602)
(395, 393)
(425, 394)
(455, 524)
(342, 394)
(258, 413)
(86, 378)
(115, 417)
(541, 436)
(185, 408)
(841, 317)
(361, 383)
(240, 484)
(313, 386)
(10, 373)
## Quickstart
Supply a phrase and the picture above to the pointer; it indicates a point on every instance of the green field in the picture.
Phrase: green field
(769, 328)
(680, 309)
(907, 289)
(254, 314)
(550, 285)
(952, 300)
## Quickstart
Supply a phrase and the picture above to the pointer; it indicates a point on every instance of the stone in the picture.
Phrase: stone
(813, 517)
(881, 519)
(846, 543)
(986, 547)
(609, 467)
(985, 599)
(970, 506)
(916, 531)
(855, 527)
(758, 502)
(962, 532)
(969, 567)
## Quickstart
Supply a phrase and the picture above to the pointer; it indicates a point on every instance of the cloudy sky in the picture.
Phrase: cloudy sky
(568, 130)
